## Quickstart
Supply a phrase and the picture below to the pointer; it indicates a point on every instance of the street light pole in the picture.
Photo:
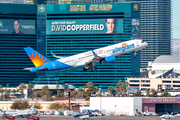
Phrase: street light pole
(100, 96)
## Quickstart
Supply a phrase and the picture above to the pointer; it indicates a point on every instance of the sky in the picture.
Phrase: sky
(176, 18)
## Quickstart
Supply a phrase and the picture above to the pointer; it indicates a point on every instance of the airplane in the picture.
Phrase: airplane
(85, 116)
(96, 113)
(152, 113)
(167, 116)
(87, 59)
(21, 113)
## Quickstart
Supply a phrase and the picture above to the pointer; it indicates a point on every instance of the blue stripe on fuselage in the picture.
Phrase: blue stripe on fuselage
(51, 66)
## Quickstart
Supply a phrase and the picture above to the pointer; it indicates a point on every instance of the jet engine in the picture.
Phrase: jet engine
(108, 59)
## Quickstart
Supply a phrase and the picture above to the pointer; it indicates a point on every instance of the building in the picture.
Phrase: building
(38, 23)
(155, 28)
(13, 58)
(166, 66)
(153, 83)
(129, 105)
(163, 73)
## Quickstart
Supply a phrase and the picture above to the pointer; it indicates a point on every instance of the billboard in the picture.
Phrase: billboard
(85, 26)
(15, 26)
(135, 29)
(163, 86)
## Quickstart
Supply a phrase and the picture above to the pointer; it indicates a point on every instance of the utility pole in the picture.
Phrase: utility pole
(69, 95)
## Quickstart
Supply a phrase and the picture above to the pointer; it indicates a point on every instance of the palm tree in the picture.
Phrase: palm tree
(147, 92)
(21, 88)
(119, 87)
(57, 86)
(35, 92)
(30, 86)
(44, 91)
(14, 91)
(110, 89)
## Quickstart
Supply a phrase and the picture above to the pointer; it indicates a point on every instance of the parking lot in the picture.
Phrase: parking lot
(53, 117)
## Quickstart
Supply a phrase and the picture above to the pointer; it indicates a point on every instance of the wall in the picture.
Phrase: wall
(124, 105)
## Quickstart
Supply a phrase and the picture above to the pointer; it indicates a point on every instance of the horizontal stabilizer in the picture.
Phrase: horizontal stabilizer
(54, 55)
(27, 68)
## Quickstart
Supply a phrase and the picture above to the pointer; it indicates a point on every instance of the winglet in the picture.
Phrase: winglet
(95, 55)
(54, 55)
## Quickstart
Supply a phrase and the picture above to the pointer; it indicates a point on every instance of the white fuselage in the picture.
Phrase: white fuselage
(82, 58)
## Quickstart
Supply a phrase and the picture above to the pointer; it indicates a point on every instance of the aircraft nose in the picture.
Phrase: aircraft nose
(146, 44)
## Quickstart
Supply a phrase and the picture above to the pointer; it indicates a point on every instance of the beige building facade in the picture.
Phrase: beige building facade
(154, 83)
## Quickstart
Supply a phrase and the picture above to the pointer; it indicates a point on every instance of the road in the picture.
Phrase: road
(53, 117)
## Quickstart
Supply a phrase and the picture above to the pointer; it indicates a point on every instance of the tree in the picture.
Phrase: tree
(73, 93)
(37, 106)
(58, 106)
(60, 94)
(57, 86)
(166, 94)
(147, 93)
(110, 89)
(30, 87)
(19, 104)
(118, 87)
(153, 93)
(121, 87)
(35, 93)
(139, 93)
(21, 88)
(90, 89)
(14, 91)
(81, 93)
(46, 93)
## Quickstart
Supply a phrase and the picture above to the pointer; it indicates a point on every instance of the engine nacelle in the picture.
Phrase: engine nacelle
(108, 59)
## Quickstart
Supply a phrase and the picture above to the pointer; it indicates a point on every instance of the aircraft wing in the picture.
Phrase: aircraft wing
(94, 60)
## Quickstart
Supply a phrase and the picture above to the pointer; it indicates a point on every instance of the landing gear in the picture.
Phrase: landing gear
(92, 69)
(84, 69)
(135, 54)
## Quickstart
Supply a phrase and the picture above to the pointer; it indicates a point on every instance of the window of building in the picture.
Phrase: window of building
(134, 85)
(145, 85)
(176, 85)
(164, 81)
(145, 89)
(146, 81)
(134, 81)
(176, 81)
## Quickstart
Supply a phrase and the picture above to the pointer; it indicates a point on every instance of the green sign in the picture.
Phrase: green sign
(85, 26)
(15, 26)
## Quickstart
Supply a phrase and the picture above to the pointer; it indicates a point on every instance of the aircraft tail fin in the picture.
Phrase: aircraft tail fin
(89, 112)
(32, 107)
(137, 111)
(36, 57)
(2, 111)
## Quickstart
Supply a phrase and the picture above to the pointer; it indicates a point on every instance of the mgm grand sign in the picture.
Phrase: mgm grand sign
(96, 7)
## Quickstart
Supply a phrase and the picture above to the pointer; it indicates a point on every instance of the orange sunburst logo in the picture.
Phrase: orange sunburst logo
(37, 61)
(124, 44)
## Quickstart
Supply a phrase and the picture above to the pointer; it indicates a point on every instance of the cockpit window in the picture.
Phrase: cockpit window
(142, 41)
